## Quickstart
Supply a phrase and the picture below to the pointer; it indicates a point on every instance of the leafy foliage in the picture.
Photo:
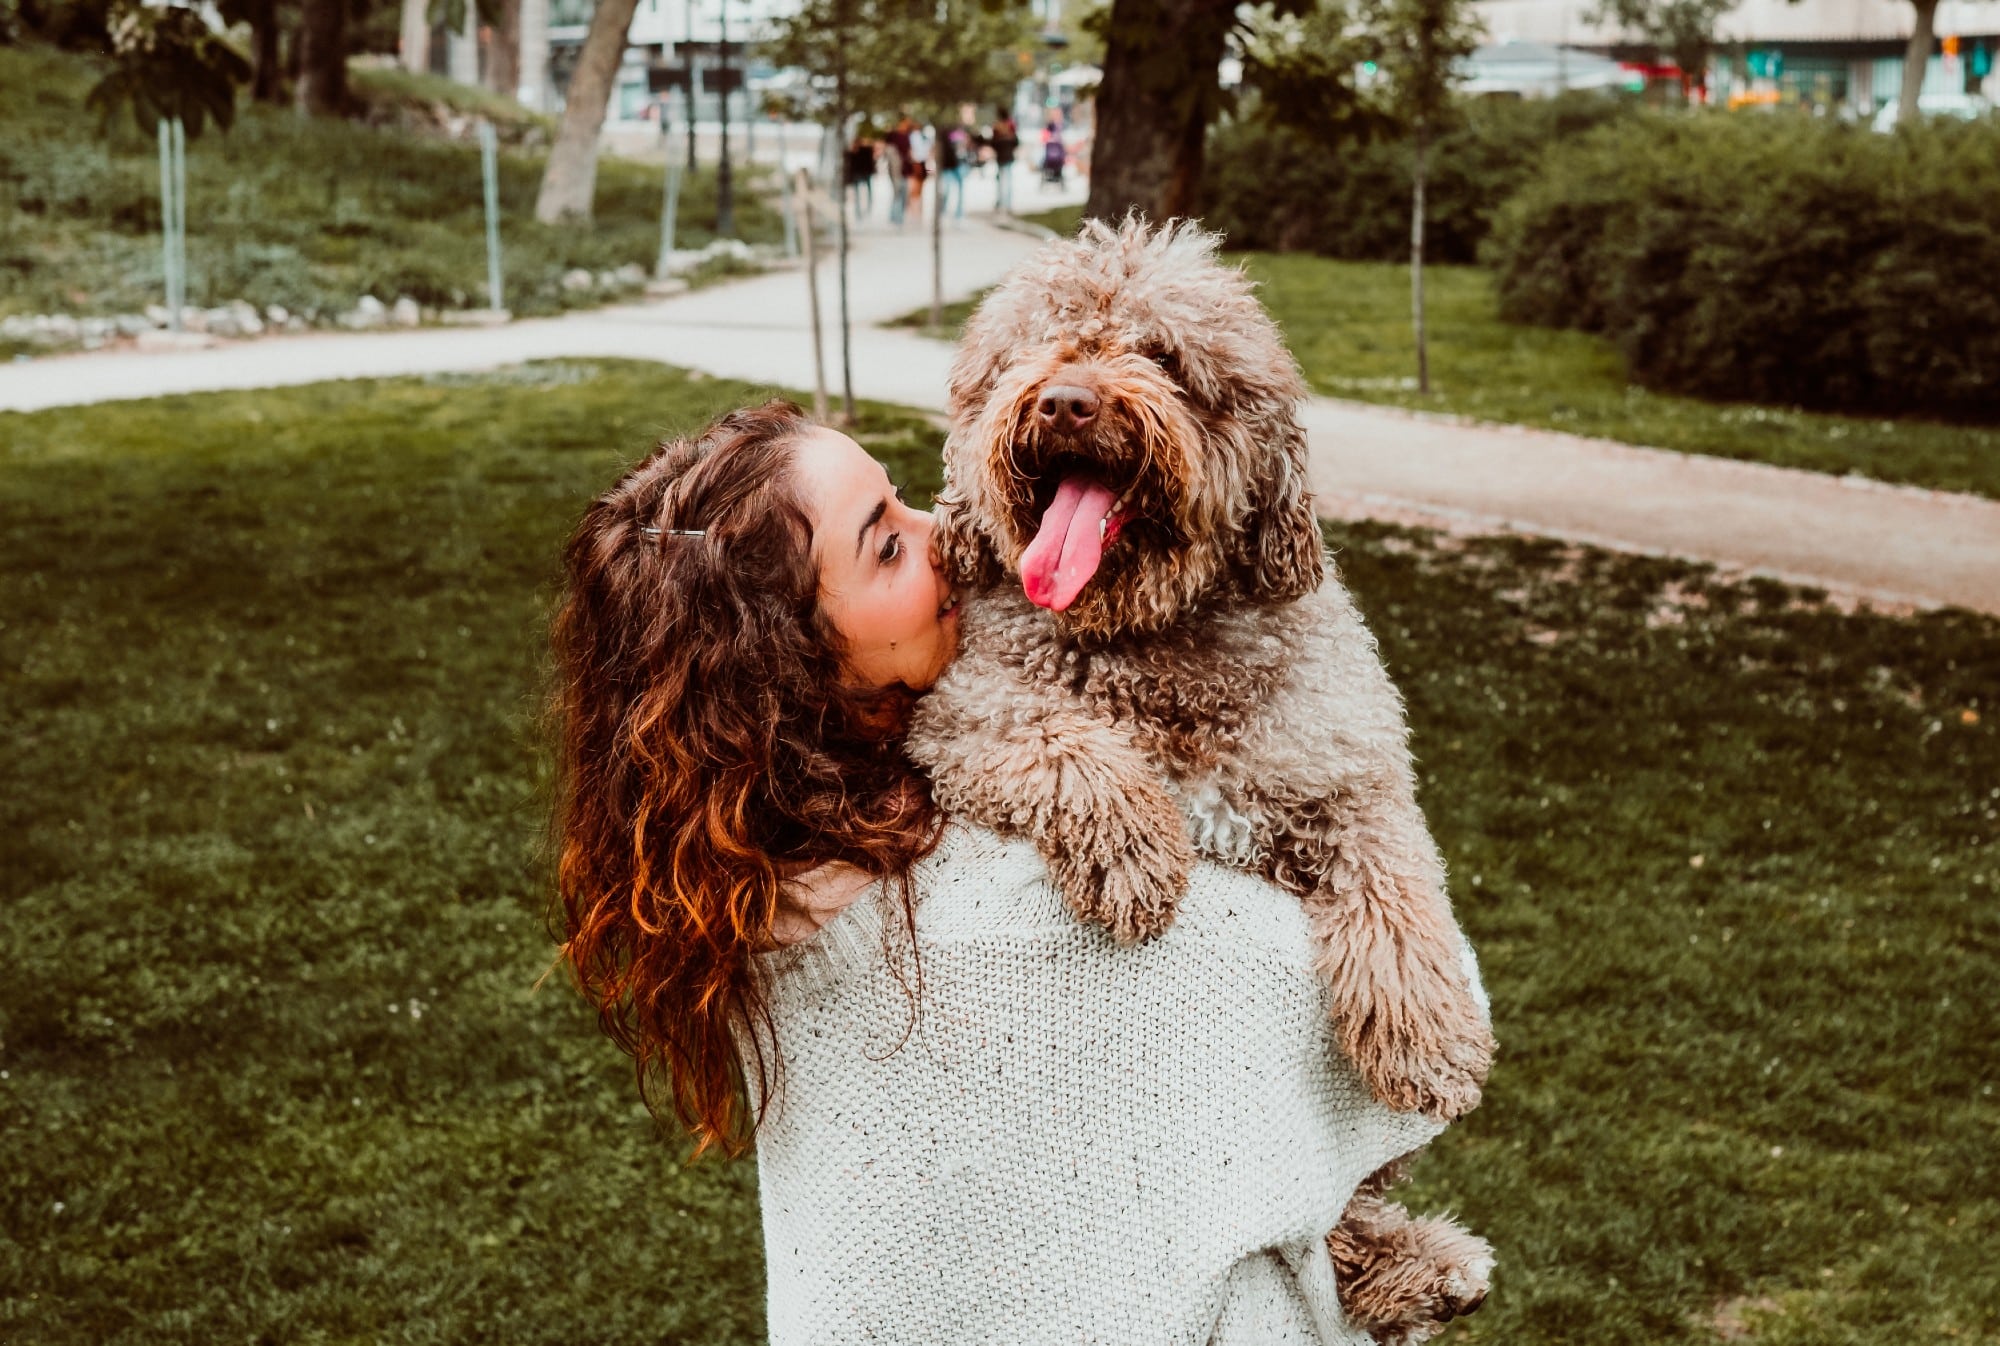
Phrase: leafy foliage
(1793, 261)
(167, 65)
(273, 1065)
(1272, 187)
(923, 56)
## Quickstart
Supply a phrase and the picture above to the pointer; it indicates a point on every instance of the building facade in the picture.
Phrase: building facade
(1840, 55)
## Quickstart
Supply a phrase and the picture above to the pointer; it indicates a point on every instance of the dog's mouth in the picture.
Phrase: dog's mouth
(1077, 522)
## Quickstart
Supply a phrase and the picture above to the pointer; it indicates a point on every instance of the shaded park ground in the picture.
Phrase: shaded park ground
(273, 1064)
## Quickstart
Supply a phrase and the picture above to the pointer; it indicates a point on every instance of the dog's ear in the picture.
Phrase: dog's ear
(968, 557)
(1285, 553)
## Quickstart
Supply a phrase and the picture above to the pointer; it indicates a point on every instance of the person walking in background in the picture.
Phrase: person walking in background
(1006, 142)
(918, 166)
(1054, 154)
(953, 151)
(898, 144)
(861, 174)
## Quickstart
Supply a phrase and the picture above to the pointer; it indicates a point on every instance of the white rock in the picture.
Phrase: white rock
(159, 315)
(371, 306)
(631, 274)
(407, 314)
(576, 281)
(131, 324)
(277, 315)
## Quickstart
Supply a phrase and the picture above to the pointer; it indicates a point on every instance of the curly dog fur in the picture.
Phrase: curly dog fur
(1210, 688)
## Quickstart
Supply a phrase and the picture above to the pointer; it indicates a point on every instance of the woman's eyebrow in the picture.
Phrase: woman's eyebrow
(874, 517)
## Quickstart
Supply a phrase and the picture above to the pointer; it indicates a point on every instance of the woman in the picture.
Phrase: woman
(976, 1119)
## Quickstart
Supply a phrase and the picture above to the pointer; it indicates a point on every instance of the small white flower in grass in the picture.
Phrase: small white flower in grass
(271, 725)
(58, 1208)
(1777, 1152)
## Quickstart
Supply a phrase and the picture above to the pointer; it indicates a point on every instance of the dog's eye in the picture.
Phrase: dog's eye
(1167, 361)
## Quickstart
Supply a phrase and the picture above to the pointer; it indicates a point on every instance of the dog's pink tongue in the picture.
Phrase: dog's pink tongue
(1068, 546)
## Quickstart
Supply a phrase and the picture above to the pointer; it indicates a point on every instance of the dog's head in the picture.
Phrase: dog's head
(1124, 435)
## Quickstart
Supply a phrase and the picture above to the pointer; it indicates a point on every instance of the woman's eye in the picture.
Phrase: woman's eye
(892, 548)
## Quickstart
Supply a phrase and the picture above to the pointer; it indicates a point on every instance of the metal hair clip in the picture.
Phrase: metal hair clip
(674, 532)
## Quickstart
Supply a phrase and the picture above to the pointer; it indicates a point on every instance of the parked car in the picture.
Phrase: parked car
(1964, 107)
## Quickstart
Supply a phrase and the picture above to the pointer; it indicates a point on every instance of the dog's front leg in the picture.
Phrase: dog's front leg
(1407, 1011)
(1096, 808)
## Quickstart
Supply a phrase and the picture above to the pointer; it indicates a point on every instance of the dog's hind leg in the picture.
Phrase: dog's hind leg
(1402, 1279)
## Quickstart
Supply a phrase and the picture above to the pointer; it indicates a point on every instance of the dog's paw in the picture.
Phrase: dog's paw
(1403, 1284)
(1125, 869)
(1431, 1056)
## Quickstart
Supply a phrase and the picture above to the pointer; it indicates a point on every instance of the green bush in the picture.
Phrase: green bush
(1782, 260)
(1271, 189)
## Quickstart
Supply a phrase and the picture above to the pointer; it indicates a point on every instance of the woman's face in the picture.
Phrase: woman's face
(879, 581)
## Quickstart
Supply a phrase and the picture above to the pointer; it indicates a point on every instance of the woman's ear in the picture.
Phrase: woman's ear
(1286, 554)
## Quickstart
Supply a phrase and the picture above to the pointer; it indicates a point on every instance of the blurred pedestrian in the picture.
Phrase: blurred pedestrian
(918, 166)
(1005, 138)
(897, 142)
(861, 174)
(954, 148)
(1054, 154)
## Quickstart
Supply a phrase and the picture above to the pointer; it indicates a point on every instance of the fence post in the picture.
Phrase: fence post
(669, 210)
(489, 162)
(804, 198)
(173, 216)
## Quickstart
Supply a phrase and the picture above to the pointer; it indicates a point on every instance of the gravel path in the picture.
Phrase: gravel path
(1889, 545)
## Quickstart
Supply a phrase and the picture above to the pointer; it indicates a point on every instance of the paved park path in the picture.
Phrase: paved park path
(1888, 544)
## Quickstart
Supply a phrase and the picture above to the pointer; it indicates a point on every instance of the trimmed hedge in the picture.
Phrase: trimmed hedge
(1772, 259)
(1271, 189)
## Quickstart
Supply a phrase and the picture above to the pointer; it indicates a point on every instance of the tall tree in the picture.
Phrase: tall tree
(569, 183)
(1161, 89)
(883, 57)
(322, 85)
(413, 47)
(1422, 44)
(1916, 61)
(503, 59)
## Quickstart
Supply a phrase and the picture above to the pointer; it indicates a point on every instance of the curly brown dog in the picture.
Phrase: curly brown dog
(1177, 672)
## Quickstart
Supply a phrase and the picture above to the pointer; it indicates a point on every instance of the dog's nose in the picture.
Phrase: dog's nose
(1065, 406)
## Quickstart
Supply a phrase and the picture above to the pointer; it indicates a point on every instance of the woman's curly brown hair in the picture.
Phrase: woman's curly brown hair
(709, 750)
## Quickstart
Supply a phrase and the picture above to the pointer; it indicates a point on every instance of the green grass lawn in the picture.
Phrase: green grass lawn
(273, 1065)
(307, 214)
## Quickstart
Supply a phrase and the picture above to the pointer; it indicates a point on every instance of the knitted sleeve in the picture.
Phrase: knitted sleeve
(1013, 1130)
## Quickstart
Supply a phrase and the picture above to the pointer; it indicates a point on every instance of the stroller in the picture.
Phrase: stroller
(1054, 157)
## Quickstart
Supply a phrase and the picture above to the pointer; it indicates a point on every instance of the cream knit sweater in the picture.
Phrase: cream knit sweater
(1050, 1139)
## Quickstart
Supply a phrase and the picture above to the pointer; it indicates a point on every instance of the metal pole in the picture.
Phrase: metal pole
(167, 224)
(804, 198)
(791, 224)
(839, 175)
(692, 79)
(489, 161)
(180, 212)
(669, 216)
(725, 206)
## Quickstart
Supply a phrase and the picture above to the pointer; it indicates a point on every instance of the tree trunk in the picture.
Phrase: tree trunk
(322, 86)
(503, 63)
(1916, 61)
(569, 184)
(532, 60)
(1417, 260)
(414, 46)
(461, 49)
(267, 71)
(1160, 88)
